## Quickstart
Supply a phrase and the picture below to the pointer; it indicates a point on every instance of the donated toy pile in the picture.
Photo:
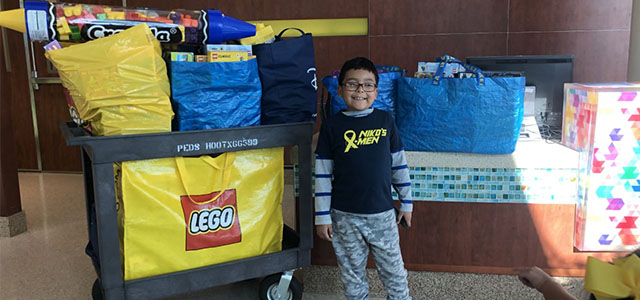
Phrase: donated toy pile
(165, 70)
(177, 70)
(136, 71)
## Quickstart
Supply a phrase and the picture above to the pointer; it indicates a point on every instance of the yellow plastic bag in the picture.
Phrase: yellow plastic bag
(118, 83)
(173, 216)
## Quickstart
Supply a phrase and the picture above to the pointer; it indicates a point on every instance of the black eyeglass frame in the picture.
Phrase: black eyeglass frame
(356, 87)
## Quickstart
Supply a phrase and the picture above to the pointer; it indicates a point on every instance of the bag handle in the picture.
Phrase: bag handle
(222, 162)
(447, 59)
(279, 36)
(325, 103)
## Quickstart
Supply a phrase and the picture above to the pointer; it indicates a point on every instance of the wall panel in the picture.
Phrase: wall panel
(332, 52)
(554, 15)
(25, 146)
(407, 51)
(600, 56)
(268, 10)
(485, 238)
(390, 17)
(51, 108)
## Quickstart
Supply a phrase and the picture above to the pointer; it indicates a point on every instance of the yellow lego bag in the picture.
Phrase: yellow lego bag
(183, 213)
(119, 83)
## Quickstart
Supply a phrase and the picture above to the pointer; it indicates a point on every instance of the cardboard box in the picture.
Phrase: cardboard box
(225, 56)
(181, 56)
(225, 47)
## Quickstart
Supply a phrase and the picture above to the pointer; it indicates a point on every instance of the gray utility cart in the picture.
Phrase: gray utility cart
(99, 154)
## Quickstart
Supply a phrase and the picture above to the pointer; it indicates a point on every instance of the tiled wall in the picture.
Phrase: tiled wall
(491, 185)
(494, 185)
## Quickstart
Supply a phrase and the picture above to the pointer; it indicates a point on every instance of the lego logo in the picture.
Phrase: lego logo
(211, 220)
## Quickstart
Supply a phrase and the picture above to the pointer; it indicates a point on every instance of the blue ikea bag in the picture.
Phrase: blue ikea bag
(387, 91)
(208, 95)
(473, 115)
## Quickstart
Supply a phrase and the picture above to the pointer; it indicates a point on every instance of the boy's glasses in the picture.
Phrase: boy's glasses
(353, 86)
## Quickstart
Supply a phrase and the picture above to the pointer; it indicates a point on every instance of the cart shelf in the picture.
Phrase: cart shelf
(99, 154)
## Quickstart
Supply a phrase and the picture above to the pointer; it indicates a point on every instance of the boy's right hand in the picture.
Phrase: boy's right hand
(325, 231)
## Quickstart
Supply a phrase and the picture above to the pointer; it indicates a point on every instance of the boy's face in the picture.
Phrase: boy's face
(359, 89)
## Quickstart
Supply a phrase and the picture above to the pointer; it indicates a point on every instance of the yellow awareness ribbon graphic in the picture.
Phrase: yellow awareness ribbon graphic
(350, 137)
(613, 281)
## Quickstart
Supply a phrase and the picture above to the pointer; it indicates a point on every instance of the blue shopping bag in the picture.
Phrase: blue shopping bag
(288, 74)
(387, 91)
(472, 115)
(208, 95)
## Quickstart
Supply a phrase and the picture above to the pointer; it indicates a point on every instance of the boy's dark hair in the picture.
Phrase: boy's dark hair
(358, 63)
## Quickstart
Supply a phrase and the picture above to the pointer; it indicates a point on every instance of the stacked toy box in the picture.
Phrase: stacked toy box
(602, 122)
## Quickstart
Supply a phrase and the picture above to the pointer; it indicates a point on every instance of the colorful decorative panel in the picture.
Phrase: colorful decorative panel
(602, 122)
(492, 185)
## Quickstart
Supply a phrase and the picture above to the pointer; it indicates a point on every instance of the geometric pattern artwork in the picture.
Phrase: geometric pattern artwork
(492, 185)
(602, 122)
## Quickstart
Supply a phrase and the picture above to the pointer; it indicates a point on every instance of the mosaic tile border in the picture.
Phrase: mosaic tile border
(491, 185)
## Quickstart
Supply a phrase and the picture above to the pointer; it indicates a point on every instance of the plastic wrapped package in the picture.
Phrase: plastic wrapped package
(119, 84)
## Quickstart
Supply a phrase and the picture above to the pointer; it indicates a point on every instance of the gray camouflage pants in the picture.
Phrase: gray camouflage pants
(353, 236)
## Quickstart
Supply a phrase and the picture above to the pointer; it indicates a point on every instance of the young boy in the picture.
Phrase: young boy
(360, 148)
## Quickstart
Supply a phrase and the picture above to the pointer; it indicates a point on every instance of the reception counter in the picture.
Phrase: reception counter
(490, 213)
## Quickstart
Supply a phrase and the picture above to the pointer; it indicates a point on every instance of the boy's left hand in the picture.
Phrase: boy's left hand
(406, 215)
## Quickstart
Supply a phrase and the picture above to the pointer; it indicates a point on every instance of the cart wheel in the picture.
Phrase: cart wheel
(269, 286)
(96, 290)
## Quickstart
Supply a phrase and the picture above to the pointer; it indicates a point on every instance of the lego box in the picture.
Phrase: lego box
(602, 122)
